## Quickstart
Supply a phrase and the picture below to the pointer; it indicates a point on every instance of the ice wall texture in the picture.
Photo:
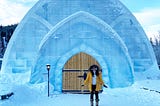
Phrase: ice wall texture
(55, 30)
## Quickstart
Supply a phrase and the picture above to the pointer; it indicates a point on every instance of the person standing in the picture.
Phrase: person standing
(94, 82)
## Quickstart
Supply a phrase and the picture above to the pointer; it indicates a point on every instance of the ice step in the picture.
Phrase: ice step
(20, 69)
(139, 68)
(20, 65)
(142, 62)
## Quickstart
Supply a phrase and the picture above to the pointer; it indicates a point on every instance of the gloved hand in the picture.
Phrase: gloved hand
(105, 86)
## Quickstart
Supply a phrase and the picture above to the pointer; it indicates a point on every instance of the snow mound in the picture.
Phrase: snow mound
(24, 94)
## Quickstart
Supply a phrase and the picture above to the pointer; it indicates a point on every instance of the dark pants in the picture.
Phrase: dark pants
(94, 92)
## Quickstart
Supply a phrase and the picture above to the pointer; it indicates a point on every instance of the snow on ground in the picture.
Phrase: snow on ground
(30, 95)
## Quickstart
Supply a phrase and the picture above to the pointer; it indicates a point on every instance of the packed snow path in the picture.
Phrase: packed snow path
(131, 96)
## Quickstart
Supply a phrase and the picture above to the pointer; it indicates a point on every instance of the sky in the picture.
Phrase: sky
(147, 12)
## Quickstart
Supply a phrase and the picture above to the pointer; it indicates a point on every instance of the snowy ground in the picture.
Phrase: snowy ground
(130, 96)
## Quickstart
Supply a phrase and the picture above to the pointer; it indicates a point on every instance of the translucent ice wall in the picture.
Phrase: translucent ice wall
(55, 30)
(83, 32)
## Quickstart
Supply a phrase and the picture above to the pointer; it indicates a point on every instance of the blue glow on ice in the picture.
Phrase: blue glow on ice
(55, 30)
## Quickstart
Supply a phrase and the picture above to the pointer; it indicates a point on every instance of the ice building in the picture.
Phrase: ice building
(103, 32)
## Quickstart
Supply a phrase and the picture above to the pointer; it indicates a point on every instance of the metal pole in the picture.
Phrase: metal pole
(48, 83)
(48, 68)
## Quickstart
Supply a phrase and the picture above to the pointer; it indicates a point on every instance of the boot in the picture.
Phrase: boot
(97, 102)
(91, 101)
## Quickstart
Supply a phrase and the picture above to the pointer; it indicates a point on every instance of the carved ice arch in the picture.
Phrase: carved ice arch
(92, 20)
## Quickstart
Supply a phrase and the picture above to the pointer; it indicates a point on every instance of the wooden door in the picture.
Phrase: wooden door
(73, 73)
(72, 81)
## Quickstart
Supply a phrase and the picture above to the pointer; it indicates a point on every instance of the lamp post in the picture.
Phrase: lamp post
(48, 66)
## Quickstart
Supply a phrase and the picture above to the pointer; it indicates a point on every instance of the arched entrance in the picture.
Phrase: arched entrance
(69, 38)
(74, 71)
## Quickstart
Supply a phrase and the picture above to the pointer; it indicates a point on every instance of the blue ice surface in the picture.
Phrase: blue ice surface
(55, 30)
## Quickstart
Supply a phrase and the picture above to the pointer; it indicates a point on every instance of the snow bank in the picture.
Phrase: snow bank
(24, 94)
(33, 95)
(27, 94)
(8, 80)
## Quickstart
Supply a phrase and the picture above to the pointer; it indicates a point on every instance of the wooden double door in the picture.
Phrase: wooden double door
(75, 71)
